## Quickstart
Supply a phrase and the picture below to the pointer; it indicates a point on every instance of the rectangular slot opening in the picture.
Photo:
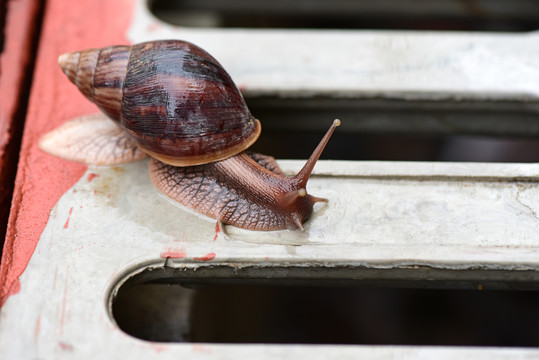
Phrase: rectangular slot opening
(522, 15)
(328, 315)
(397, 130)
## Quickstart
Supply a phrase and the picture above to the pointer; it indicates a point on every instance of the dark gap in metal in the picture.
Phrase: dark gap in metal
(396, 130)
(3, 16)
(466, 15)
(400, 147)
(304, 314)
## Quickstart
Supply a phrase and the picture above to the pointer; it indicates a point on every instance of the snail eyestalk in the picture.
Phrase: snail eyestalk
(303, 175)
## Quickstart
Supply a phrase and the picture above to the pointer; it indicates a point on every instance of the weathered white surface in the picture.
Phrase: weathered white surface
(387, 64)
(117, 223)
(390, 217)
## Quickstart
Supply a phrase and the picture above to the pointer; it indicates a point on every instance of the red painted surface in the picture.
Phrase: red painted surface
(16, 58)
(207, 257)
(41, 178)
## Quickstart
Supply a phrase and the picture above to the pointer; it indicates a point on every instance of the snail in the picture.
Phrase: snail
(173, 101)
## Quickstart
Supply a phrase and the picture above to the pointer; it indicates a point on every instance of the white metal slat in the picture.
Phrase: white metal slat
(400, 227)
(389, 64)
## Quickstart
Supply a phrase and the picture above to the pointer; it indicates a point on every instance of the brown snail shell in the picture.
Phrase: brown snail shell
(174, 98)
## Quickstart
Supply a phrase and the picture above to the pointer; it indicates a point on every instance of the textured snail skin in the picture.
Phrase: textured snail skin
(174, 98)
(247, 191)
(236, 191)
(177, 104)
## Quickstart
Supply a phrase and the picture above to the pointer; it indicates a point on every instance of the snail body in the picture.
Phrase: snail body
(173, 101)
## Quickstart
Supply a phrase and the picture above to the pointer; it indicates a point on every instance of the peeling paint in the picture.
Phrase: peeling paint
(218, 229)
(64, 346)
(66, 225)
(207, 257)
(173, 254)
(92, 176)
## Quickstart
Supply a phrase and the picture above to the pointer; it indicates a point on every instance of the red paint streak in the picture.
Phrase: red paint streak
(217, 230)
(108, 196)
(92, 176)
(158, 348)
(41, 178)
(54, 280)
(201, 348)
(207, 257)
(153, 27)
(170, 254)
(64, 346)
(66, 225)
(37, 328)
(62, 318)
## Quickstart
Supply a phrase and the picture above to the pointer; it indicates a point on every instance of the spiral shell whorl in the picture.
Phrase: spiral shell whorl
(99, 74)
(69, 62)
